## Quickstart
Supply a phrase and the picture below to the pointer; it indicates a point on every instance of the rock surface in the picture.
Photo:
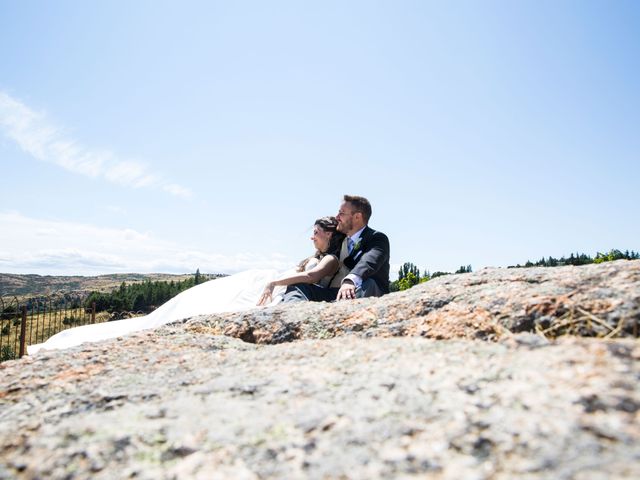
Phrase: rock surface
(592, 300)
(475, 399)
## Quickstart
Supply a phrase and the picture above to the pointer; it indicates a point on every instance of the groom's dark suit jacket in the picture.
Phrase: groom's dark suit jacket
(371, 258)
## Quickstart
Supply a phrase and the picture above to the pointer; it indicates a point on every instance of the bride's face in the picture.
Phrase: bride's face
(321, 238)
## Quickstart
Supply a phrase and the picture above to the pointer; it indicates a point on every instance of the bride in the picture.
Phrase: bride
(238, 292)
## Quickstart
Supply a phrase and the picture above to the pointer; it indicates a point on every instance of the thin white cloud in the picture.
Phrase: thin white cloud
(32, 245)
(178, 190)
(39, 138)
(115, 209)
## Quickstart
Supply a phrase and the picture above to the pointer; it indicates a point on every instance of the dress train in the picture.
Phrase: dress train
(227, 294)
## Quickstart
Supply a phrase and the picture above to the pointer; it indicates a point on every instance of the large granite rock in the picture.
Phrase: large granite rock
(481, 397)
(592, 300)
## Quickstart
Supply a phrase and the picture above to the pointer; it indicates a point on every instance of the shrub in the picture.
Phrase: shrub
(7, 353)
(70, 320)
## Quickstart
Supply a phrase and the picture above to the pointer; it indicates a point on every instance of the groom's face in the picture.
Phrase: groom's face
(345, 218)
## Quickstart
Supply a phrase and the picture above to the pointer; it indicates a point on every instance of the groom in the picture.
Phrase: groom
(364, 258)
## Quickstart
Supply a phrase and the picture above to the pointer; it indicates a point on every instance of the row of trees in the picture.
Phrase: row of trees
(141, 297)
(409, 275)
(581, 259)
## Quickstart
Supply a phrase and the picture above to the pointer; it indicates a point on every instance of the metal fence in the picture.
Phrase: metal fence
(29, 321)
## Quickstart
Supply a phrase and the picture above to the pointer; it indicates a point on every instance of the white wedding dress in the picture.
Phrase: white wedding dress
(227, 294)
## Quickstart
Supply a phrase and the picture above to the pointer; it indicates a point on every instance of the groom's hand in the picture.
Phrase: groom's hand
(347, 291)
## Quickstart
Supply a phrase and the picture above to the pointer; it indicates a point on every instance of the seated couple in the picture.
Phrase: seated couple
(351, 259)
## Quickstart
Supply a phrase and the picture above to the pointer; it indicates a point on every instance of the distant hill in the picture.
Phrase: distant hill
(28, 285)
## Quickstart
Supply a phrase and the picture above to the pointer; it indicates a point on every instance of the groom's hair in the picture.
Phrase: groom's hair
(360, 204)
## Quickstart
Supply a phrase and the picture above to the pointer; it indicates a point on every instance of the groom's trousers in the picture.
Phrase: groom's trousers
(369, 288)
(305, 292)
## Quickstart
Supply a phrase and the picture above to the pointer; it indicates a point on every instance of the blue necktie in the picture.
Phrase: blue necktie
(349, 245)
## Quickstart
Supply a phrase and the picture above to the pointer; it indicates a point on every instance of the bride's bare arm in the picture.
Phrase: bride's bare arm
(327, 266)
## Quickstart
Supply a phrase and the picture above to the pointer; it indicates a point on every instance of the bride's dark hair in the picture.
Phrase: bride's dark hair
(328, 224)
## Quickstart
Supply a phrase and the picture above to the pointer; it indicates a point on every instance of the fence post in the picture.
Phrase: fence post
(93, 312)
(23, 332)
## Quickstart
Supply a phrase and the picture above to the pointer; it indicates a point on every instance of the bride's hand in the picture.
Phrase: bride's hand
(266, 295)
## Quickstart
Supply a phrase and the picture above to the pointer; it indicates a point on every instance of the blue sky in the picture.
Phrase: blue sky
(168, 136)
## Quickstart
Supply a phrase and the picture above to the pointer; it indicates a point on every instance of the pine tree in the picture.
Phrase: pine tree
(408, 268)
(408, 276)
